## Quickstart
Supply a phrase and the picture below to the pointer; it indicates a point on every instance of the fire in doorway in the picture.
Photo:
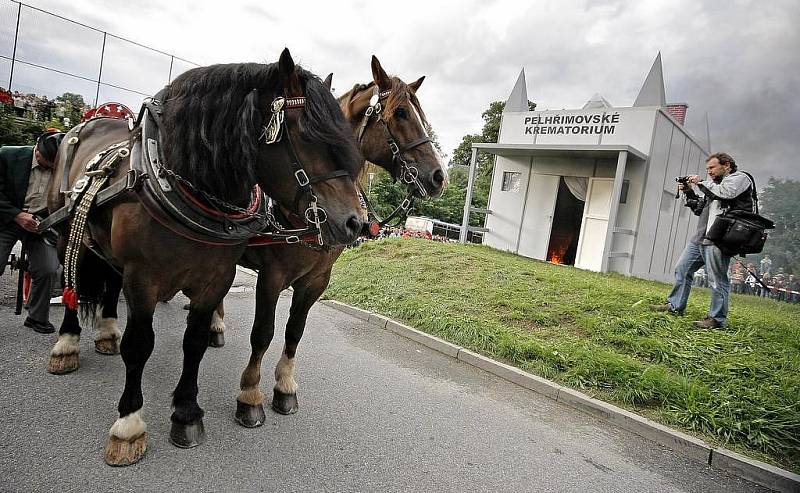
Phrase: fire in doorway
(564, 231)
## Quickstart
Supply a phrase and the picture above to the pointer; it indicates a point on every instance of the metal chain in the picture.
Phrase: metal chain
(219, 203)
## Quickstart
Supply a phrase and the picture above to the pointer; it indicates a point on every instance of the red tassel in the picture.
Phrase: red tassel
(70, 299)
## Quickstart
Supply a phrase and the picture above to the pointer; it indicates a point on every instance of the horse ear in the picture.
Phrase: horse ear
(328, 81)
(415, 85)
(288, 73)
(379, 76)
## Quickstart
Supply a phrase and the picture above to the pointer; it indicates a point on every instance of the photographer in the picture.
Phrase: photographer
(24, 178)
(727, 189)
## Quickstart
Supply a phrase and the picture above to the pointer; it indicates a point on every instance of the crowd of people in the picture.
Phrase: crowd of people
(782, 286)
(40, 108)
(393, 232)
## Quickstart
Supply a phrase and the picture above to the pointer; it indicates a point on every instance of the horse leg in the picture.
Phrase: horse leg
(218, 326)
(107, 333)
(65, 355)
(187, 419)
(127, 438)
(284, 397)
(250, 402)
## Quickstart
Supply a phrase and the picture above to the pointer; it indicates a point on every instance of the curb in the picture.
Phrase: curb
(717, 457)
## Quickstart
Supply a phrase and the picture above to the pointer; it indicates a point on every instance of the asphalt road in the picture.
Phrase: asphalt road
(377, 413)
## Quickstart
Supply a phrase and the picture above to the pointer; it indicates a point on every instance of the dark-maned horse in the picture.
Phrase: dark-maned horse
(216, 140)
(399, 118)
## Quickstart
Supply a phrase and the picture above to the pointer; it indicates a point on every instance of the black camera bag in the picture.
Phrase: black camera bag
(737, 232)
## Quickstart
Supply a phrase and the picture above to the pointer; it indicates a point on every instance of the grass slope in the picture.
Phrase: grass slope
(739, 387)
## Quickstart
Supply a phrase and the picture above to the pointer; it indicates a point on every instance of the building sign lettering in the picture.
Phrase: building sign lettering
(571, 124)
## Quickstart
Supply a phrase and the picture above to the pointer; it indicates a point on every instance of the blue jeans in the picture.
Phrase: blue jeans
(693, 257)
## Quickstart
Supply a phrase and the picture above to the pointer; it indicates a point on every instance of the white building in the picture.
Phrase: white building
(593, 187)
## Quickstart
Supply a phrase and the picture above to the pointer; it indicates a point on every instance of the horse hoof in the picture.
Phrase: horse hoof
(62, 364)
(187, 436)
(250, 416)
(120, 452)
(217, 339)
(284, 403)
(107, 346)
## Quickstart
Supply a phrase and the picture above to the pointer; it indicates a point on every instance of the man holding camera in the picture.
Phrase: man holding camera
(24, 179)
(726, 189)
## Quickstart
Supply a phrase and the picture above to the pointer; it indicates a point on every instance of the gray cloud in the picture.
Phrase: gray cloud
(735, 60)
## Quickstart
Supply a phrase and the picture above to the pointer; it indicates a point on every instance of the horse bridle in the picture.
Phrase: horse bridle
(409, 173)
(314, 213)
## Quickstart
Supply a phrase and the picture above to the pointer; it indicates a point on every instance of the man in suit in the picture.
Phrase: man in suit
(24, 179)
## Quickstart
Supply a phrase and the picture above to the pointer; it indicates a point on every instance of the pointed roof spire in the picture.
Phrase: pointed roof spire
(518, 99)
(597, 102)
(652, 92)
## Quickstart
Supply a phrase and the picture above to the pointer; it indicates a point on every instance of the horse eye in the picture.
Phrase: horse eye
(401, 113)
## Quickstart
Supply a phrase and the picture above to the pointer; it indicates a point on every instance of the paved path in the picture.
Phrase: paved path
(377, 413)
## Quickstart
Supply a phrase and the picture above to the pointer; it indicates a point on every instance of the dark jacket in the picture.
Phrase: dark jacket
(15, 171)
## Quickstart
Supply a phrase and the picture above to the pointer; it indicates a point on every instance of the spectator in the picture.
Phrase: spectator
(24, 176)
(765, 265)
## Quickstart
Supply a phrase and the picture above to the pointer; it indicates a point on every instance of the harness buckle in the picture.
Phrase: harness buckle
(394, 148)
(302, 177)
(369, 111)
(405, 204)
(292, 239)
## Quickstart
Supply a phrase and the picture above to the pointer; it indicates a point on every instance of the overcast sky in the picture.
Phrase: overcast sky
(736, 60)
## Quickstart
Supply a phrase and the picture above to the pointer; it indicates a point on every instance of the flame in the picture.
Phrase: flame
(557, 252)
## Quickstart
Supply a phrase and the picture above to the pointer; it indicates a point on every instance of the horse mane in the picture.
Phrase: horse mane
(213, 117)
(323, 122)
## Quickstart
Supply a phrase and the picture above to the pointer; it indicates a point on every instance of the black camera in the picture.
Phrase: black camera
(682, 180)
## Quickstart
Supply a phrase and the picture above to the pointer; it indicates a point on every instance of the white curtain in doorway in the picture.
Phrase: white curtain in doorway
(577, 185)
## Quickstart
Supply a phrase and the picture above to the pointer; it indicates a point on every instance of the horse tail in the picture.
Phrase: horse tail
(93, 274)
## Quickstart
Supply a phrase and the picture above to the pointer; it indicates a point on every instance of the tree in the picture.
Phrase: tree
(462, 155)
(73, 106)
(17, 132)
(449, 207)
(780, 201)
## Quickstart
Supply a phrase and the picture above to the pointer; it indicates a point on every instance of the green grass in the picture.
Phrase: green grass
(738, 387)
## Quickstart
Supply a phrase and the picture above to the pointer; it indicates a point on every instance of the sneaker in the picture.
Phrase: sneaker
(40, 327)
(707, 323)
(665, 307)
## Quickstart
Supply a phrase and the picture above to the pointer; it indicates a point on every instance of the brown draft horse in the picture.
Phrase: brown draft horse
(399, 119)
(211, 135)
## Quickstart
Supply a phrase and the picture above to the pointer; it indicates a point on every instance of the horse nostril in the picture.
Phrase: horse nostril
(353, 225)
(438, 178)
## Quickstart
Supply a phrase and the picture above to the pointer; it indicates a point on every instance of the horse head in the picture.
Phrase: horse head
(277, 125)
(390, 127)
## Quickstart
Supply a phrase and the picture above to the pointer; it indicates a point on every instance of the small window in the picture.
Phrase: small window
(511, 181)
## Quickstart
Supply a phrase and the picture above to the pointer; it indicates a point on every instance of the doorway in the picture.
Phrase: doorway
(566, 226)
